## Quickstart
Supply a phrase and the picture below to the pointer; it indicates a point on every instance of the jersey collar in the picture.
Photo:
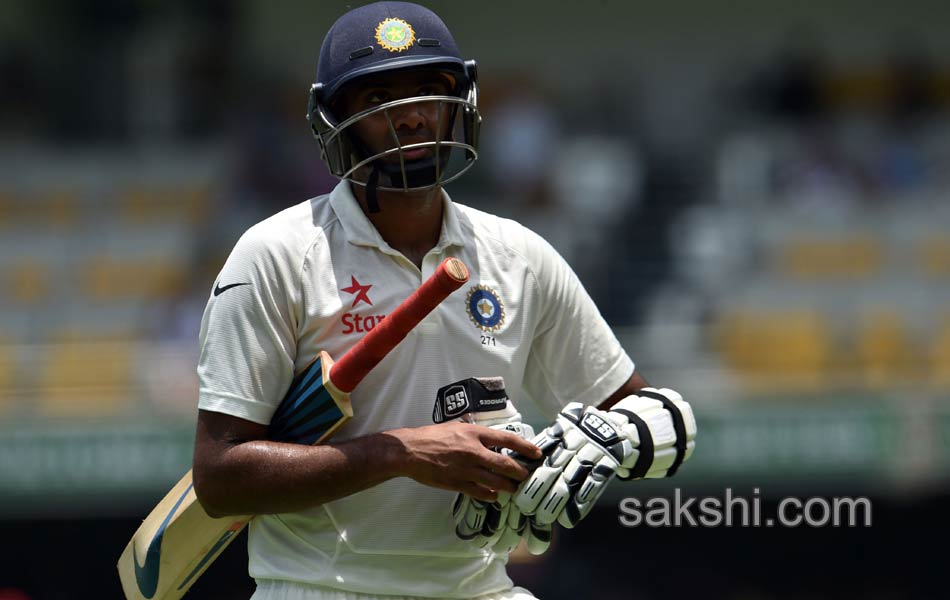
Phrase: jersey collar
(360, 231)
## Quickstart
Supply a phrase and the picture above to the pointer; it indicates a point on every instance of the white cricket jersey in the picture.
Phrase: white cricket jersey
(316, 277)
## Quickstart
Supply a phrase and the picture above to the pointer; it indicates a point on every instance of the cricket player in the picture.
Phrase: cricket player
(369, 514)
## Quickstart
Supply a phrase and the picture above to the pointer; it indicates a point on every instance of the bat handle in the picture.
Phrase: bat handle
(353, 366)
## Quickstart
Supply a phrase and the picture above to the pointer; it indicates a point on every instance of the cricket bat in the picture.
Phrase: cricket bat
(178, 540)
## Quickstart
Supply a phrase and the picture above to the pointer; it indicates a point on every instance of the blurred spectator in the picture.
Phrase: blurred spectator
(910, 102)
(90, 88)
(277, 161)
(911, 83)
(791, 87)
(519, 142)
(816, 178)
(794, 90)
(205, 69)
(597, 185)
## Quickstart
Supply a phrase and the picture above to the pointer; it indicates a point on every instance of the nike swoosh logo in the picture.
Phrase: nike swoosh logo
(146, 576)
(218, 290)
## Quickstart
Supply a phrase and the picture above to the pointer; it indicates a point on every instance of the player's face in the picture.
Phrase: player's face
(413, 123)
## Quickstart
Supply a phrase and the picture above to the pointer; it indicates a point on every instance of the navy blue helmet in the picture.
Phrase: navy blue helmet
(381, 39)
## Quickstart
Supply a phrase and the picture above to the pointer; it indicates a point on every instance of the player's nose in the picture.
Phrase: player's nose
(409, 116)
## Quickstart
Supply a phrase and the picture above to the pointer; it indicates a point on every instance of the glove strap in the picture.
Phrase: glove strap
(645, 459)
(679, 426)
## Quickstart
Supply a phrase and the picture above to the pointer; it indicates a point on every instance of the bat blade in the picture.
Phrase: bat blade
(178, 541)
(151, 565)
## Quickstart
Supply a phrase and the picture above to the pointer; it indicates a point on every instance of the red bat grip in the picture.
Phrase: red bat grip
(353, 366)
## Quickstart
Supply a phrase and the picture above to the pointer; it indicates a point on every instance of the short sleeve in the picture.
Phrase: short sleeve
(575, 356)
(248, 331)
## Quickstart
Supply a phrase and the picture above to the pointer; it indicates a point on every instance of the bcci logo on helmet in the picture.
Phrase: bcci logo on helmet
(395, 35)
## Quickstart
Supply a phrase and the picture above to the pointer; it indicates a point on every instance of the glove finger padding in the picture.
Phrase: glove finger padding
(469, 515)
(587, 487)
(511, 534)
(647, 435)
(537, 537)
(557, 454)
(493, 524)
(484, 522)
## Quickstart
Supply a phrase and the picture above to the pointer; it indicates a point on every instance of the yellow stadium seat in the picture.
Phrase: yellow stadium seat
(58, 207)
(934, 255)
(108, 278)
(7, 204)
(850, 258)
(190, 204)
(940, 356)
(885, 350)
(7, 376)
(789, 350)
(86, 379)
(27, 282)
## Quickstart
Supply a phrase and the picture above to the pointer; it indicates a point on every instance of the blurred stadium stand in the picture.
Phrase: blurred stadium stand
(756, 196)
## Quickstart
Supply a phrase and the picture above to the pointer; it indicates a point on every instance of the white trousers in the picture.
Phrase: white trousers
(289, 590)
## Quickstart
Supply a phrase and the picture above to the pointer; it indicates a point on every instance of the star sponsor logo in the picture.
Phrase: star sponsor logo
(353, 323)
(485, 308)
(359, 291)
(357, 323)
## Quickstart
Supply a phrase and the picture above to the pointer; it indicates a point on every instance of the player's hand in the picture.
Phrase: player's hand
(458, 457)
(645, 435)
(498, 525)
(489, 523)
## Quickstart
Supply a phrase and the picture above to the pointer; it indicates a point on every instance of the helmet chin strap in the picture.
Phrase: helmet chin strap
(372, 199)
(416, 175)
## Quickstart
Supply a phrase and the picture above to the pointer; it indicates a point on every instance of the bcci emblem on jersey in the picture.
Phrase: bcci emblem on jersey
(485, 308)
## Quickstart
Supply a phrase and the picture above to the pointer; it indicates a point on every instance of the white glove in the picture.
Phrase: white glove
(646, 435)
(497, 525)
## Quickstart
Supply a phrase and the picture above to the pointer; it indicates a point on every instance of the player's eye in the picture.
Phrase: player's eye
(377, 97)
(432, 90)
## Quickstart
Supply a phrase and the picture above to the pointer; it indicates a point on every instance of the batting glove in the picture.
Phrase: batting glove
(646, 435)
(498, 525)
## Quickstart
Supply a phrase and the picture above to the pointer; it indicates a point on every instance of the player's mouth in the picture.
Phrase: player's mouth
(418, 152)
(415, 153)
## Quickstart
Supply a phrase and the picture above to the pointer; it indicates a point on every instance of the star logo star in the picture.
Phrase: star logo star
(359, 290)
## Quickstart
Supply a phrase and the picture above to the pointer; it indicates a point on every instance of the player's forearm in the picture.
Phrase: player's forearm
(264, 477)
(632, 386)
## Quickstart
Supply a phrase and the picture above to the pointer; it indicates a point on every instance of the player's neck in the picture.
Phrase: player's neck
(410, 222)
